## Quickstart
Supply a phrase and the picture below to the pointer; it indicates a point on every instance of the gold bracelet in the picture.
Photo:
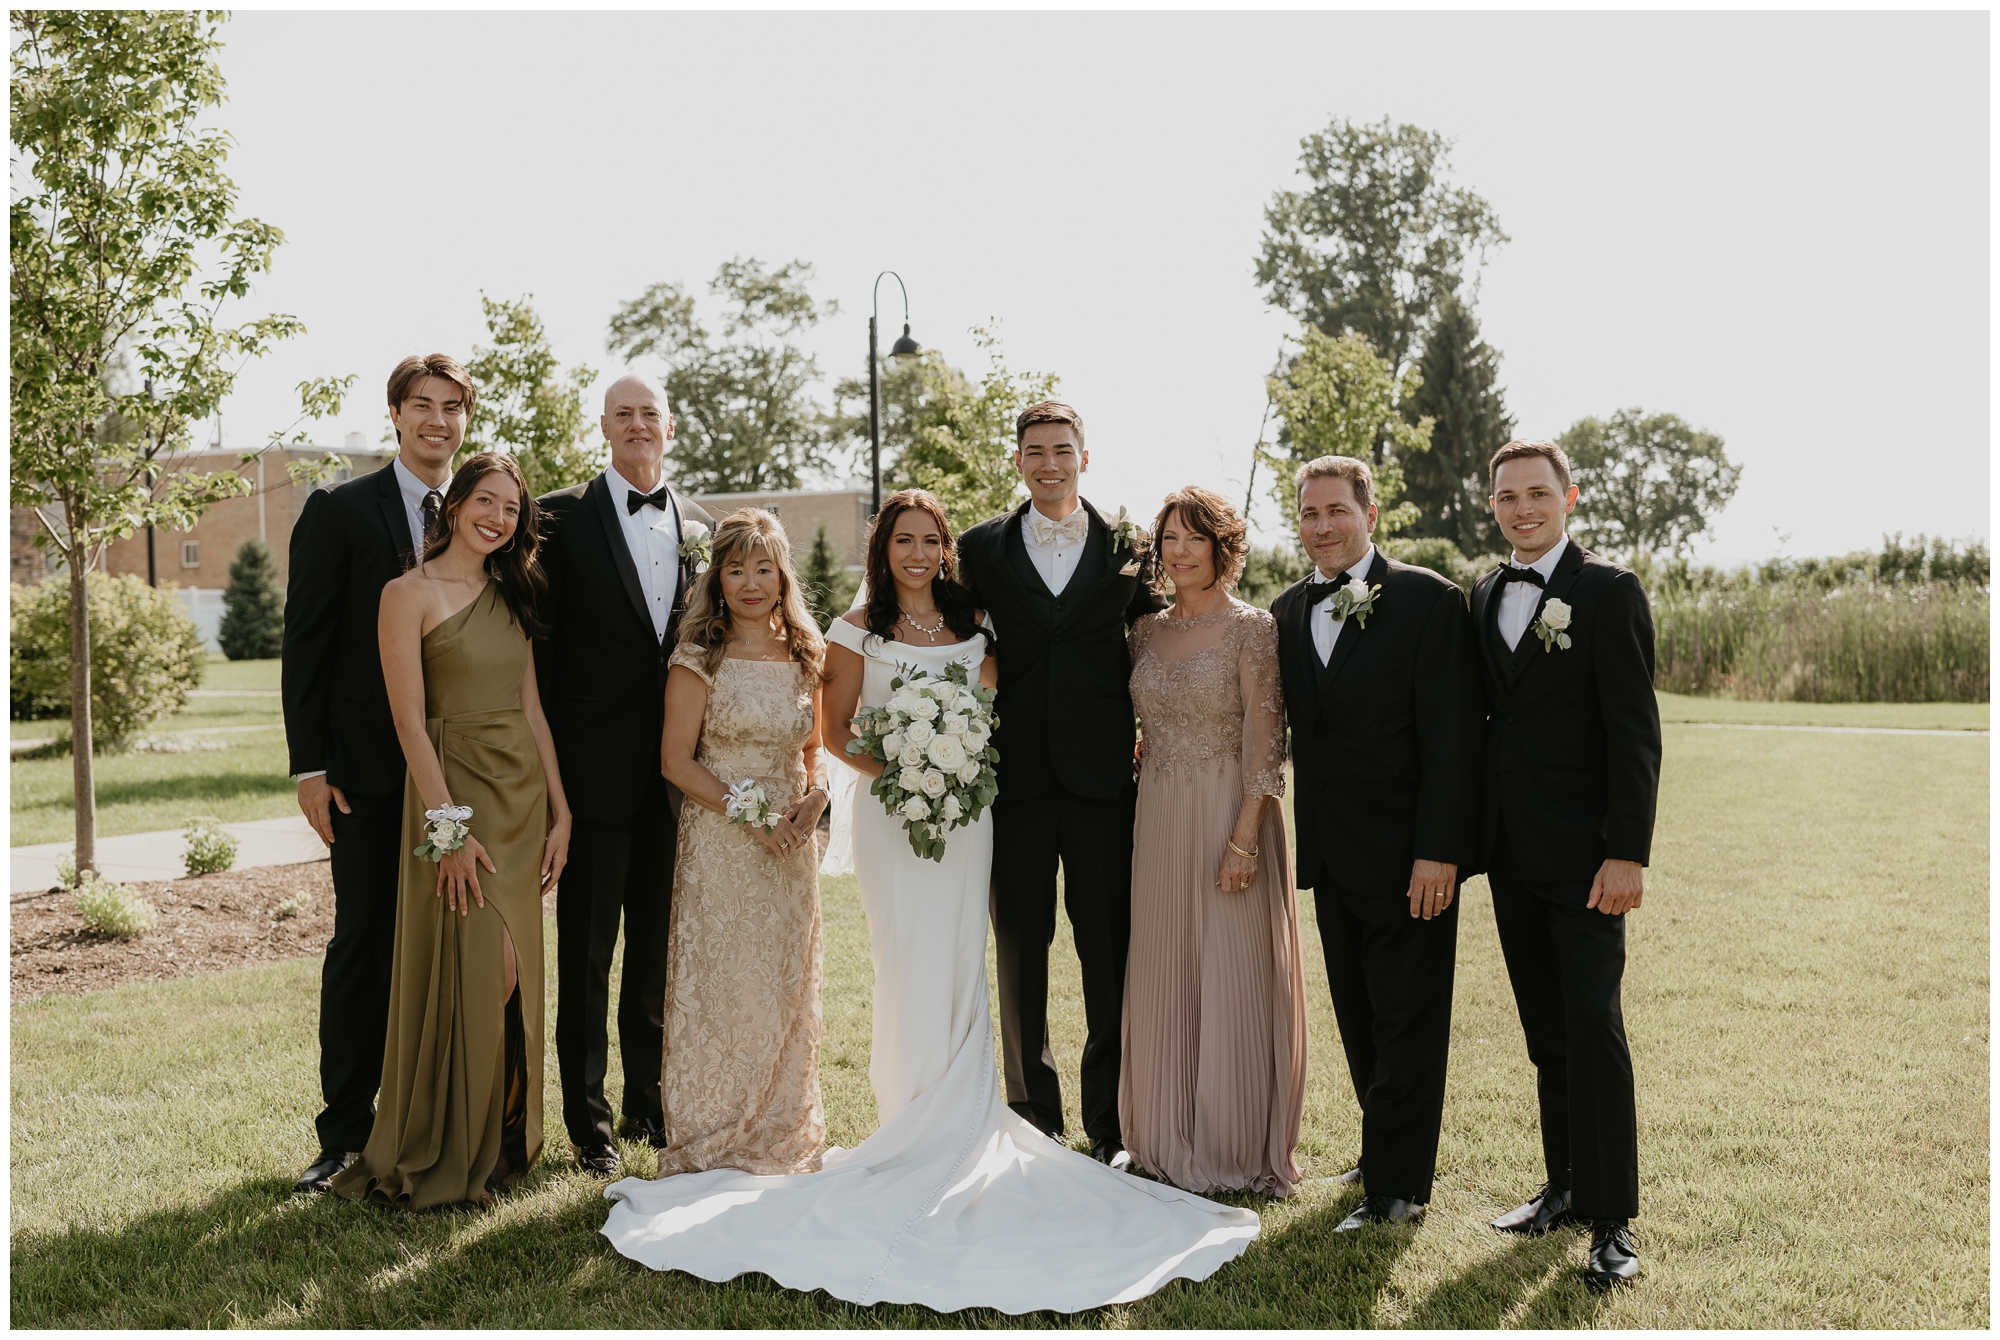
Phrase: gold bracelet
(1250, 855)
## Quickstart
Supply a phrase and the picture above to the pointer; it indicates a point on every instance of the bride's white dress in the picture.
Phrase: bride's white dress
(954, 1201)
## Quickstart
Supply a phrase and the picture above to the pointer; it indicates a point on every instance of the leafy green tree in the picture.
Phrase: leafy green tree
(253, 608)
(1338, 398)
(147, 654)
(962, 440)
(905, 390)
(528, 405)
(124, 248)
(747, 418)
(1647, 484)
(1459, 393)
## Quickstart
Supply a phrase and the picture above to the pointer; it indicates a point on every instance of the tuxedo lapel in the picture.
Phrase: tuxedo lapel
(1564, 577)
(1351, 632)
(1093, 566)
(1295, 637)
(621, 552)
(390, 499)
(1486, 624)
(687, 572)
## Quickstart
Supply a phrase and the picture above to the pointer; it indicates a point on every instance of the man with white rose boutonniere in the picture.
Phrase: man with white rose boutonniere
(1566, 828)
(1382, 689)
(621, 553)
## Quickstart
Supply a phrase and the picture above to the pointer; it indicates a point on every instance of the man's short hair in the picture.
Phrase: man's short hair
(1048, 411)
(1521, 448)
(417, 367)
(1357, 474)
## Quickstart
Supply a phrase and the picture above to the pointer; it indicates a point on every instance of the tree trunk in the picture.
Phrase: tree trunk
(84, 777)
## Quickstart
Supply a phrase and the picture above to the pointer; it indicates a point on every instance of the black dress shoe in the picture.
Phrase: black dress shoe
(651, 1129)
(601, 1160)
(1380, 1210)
(319, 1177)
(1111, 1154)
(1614, 1257)
(1547, 1210)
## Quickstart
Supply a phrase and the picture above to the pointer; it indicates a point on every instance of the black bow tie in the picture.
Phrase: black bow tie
(634, 500)
(1528, 575)
(1319, 588)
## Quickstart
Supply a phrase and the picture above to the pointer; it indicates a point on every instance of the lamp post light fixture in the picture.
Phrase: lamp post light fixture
(903, 348)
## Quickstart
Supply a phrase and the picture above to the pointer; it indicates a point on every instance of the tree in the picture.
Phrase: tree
(1647, 484)
(123, 248)
(747, 419)
(147, 655)
(528, 406)
(1459, 394)
(1378, 236)
(828, 586)
(1338, 399)
(905, 389)
(253, 608)
(962, 439)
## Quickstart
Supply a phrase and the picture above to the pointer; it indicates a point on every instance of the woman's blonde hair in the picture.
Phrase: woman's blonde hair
(707, 621)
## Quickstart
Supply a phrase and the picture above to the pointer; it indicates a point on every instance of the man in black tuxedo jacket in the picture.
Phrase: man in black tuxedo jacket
(348, 544)
(1566, 828)
(1386, 715)
(1062, 590)
(618, 583)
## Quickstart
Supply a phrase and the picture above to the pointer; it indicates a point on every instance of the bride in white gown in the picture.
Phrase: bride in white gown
(954, 1201)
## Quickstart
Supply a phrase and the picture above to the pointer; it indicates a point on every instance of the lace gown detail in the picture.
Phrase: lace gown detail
(740, 1078)
(1213, 1083)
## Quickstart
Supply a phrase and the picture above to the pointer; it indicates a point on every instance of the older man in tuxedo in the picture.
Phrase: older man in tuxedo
(1383, 695)
(1566, 827)
(618, 582)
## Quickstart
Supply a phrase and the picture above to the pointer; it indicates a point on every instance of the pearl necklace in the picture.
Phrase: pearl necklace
(931, 632)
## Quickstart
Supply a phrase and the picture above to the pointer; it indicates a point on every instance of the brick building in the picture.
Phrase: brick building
(844, 513)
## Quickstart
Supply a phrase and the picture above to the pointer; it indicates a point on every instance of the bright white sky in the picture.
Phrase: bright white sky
(1774, 225)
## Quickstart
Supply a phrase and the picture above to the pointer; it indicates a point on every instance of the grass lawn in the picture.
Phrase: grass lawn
(1907, 716)
(1807, 1001)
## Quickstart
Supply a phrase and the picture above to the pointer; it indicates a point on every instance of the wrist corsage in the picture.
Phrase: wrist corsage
(747, 804)
(447, 828)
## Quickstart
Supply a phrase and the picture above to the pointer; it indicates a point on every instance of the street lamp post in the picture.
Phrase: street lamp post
(904, 347)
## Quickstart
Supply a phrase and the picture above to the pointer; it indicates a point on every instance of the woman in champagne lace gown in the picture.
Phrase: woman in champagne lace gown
(1213, 1081)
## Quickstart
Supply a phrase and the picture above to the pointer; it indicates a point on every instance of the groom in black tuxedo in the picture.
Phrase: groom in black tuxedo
(1566, 827)
(1382, 690)
(349, 543)
(618, 584)
(1062, 590)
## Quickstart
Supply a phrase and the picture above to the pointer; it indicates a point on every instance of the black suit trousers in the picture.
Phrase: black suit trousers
(1092, 839)
(367, 860)
(615, 868)
(1566, 962)
(1391, 976)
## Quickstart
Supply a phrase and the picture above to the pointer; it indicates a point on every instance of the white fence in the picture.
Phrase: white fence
(205, 608)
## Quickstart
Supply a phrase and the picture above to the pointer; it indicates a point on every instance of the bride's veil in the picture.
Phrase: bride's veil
(841, 784)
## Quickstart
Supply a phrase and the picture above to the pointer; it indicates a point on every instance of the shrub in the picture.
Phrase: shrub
(113, 909)
(1269, 570)
(145, 654)
(66, 869)
(209, 849)
(253, 608)
(295, 905)
(1442, 556)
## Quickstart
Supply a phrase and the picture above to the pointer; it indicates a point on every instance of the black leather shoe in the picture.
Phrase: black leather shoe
(319, 1177)
(1111, 1154)
(651, 1129)
(1380, 1210)
(1549, 1209)
(602, 1160)
(1614, 1256)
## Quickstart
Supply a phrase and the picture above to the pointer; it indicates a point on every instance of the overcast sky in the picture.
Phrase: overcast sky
(1774, 225)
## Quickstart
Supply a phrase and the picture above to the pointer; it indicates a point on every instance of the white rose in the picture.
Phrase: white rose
(910, 755)
(892, 745)
(919, 733)
(1357, 589)
(953, 723)
(923, 708)
(901, 700)
(934, 783)
(951, 809)
(915, 810)
(968, 772)
(1555, 616)
(976, 733)
(910, 779)
(947, 753)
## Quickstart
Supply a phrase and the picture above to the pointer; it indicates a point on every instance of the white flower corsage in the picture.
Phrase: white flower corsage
(694, 544)
(1355, 601)
(748, 805)
(1549, 627)
(446, 829)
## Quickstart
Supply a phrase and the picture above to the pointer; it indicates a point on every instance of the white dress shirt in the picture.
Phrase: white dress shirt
(1056, 560)
(1326, 628)
(1519, 600)
(413, 491)
(654, 539)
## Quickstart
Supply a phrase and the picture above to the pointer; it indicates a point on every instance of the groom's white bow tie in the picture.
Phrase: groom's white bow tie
(1071, 529)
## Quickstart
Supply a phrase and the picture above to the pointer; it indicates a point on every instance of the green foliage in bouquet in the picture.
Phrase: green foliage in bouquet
(931, 739)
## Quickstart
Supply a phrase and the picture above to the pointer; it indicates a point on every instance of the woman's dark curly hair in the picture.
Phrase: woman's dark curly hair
(513, 564)
(954, 602)
(1206, 513)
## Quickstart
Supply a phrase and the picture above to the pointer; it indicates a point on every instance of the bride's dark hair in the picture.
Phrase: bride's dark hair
(954, 602)
(513, 564)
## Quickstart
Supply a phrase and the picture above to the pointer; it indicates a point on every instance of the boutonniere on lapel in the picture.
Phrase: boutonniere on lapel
(694, 544)
(1128, 534)
(1549, 627)
(1355, 601)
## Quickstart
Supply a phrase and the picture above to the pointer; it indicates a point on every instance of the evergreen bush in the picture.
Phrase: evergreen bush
(253, 608)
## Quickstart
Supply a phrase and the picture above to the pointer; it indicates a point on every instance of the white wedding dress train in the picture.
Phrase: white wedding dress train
(954, 1201)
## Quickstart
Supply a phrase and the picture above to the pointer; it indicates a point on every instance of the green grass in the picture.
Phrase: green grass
(1807, 1001)
(1904, 716)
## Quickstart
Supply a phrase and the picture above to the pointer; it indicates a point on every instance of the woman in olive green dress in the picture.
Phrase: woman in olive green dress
(461, 1103)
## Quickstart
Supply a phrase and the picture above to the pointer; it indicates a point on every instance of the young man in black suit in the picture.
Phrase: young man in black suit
(1386, 716)
(618, 582)
(1572, 779)
(1062, 589)
(348, 544)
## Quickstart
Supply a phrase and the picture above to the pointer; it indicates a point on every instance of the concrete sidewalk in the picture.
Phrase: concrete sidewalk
(159, 855)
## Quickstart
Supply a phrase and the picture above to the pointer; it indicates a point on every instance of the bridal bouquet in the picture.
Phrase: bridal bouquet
(931, 739)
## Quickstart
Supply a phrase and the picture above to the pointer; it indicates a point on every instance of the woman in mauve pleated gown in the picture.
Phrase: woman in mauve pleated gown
(1214, 1067)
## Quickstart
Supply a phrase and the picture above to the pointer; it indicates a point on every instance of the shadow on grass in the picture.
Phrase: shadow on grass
(210, 786)
(1535, 1282)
